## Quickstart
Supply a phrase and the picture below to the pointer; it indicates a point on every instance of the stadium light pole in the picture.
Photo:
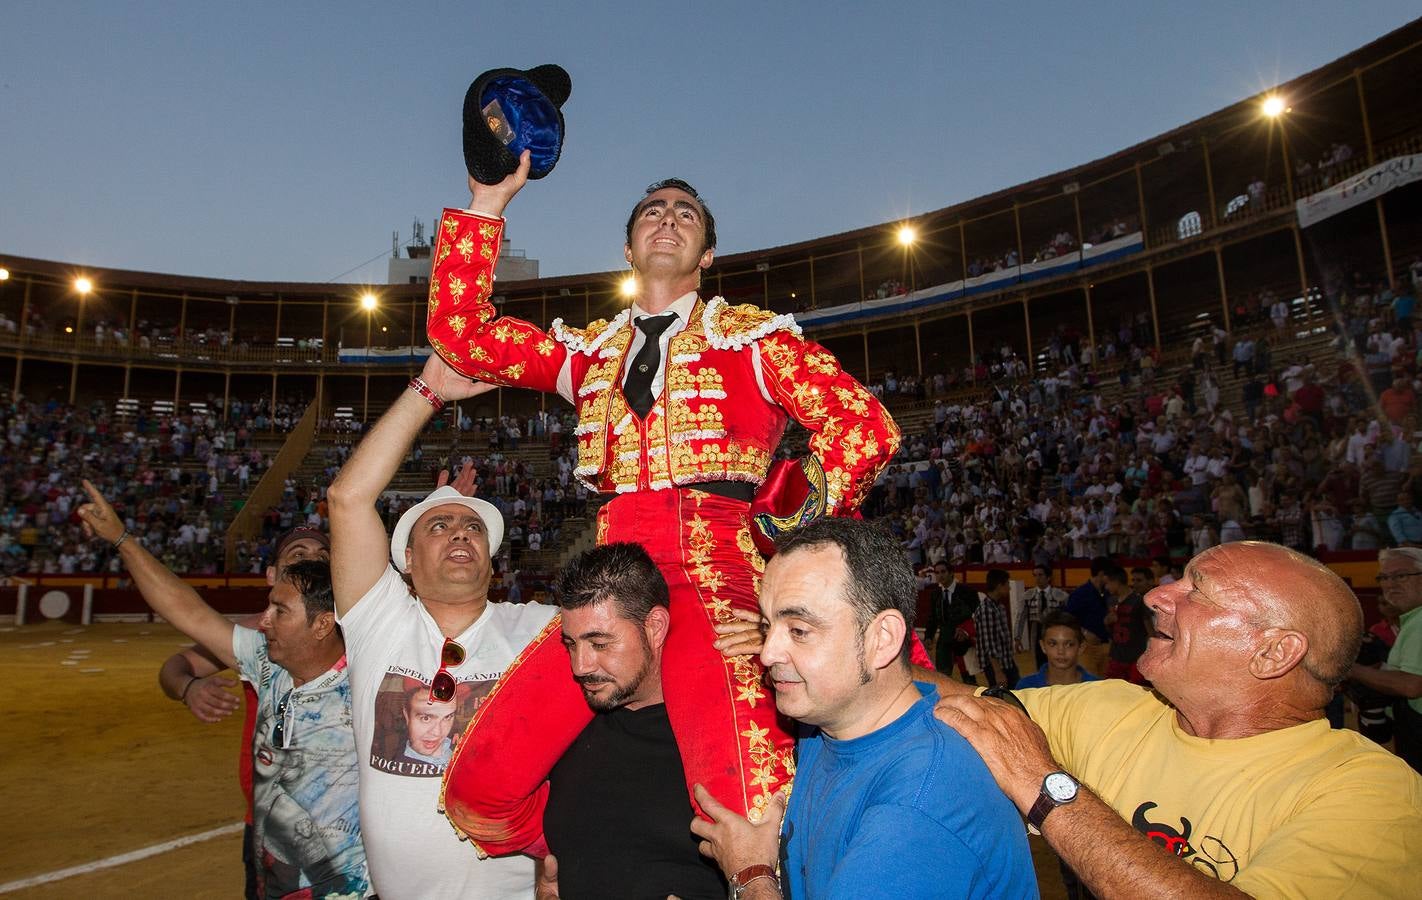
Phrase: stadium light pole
(83, 286)
(1275, 108)
(907, 236)
(368, 302)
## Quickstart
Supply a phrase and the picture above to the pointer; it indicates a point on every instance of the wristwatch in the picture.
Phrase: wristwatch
(746, 876)
(1058, 789)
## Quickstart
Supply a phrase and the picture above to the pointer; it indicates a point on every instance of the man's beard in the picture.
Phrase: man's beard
(621, 692)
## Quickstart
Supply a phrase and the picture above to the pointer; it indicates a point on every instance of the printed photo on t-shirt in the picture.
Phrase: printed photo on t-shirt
(414, 732)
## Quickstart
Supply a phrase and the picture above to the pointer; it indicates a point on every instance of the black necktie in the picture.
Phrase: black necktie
(638, 387)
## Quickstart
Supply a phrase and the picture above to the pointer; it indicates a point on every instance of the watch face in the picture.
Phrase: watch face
(1060, 787)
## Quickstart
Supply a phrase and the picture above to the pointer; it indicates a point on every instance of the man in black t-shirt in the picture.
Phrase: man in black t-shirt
(616, 823)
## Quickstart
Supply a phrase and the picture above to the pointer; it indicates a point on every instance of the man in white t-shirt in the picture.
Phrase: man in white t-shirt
(420, 637)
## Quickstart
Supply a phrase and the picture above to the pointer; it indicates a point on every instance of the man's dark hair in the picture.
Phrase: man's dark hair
(312, 577)
(996, 578)
(1060, 618)
(1043, 567)
(1115, 573)
(710, 220)
(622, 573)
(876, 572)
(1162, 561)
(1144, 572)
(1100, 564)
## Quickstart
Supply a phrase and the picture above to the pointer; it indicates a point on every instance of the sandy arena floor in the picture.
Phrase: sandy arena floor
(98, 763)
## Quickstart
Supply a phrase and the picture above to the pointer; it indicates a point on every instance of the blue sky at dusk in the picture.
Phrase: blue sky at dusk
(286, 141)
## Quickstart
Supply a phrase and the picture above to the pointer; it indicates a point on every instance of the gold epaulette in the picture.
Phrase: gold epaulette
(587, 340)
(730, 327)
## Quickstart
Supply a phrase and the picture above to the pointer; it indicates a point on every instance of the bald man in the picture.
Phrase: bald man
(1227, 781)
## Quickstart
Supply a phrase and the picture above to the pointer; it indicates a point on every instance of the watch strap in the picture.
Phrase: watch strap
(747, 875)
(1038, 813)
(1045, 803)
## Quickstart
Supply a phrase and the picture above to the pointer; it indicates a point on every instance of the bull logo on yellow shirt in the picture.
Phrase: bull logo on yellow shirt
(1211, 855)
(1173, 840)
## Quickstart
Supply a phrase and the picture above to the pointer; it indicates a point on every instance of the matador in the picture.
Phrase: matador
(681, 402)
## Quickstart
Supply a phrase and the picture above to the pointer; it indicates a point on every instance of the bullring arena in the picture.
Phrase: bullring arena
(1131, 279)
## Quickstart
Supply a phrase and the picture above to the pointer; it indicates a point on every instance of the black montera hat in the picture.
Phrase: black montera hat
(507, 111)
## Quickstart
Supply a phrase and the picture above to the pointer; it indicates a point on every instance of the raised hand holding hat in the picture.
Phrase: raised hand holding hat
(508, 111)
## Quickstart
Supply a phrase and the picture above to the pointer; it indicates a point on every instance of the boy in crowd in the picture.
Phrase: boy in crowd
(1061, 642)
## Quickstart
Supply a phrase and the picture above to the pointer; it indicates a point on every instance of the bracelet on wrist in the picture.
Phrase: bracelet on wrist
(183, 697)
(121, 538)
(418, 385)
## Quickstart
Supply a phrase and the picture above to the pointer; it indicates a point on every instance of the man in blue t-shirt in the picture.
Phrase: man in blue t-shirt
(887, 802)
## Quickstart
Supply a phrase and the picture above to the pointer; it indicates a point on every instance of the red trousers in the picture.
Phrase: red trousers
(731, 739)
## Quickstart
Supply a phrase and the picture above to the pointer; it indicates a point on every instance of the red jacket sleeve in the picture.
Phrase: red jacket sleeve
(463, 326)
(851, 433)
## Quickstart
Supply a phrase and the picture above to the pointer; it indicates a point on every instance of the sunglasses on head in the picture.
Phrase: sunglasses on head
(443, 685)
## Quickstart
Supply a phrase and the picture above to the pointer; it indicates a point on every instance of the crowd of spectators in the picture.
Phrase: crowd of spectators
(1329, 162)
(534, 507)
(1041, 466)
(177, 479)
(1325, 458)
(1067, 355)
(158, 337)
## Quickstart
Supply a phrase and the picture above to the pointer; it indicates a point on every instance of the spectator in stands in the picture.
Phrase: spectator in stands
(1400, 577)
(1398, 401)
(1379, 486)
(875, 770)
(1366, 532)
(1227, 779)
(1405, 522)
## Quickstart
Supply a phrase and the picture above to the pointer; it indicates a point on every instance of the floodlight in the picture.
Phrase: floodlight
(83, 285)
(1274, 106)
(628, 287)
(368, 301)
(907, 235)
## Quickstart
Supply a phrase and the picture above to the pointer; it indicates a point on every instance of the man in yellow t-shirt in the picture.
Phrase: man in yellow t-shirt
(1229, 782)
